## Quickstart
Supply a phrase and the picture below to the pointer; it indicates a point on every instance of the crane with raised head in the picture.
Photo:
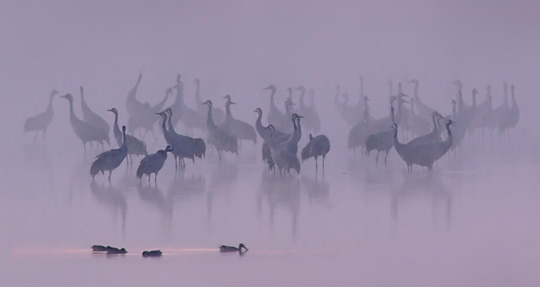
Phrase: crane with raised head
(153, 163)
(135, 145)
(41, 121)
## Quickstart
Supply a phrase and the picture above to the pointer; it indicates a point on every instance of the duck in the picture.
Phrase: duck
(99, 248)
(114, 250)
(152, 253)
(227, 249)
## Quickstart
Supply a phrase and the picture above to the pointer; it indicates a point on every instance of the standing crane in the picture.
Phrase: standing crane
(135, 145)
(84, 131)
(274, 114)
(110, 160)
(94, 119)
(153, 163)
(41, 122)
(241, 130)
(317, 146)
(219, 138)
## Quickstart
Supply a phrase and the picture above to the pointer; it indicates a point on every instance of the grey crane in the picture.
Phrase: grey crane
(416, 124)
(135, 145)
(433, 136)
(111, 159)
(483, 115)
(381, 141)
(423, 155)
(285, 123)
(92, 118)
(133, 106)
(284, 159)
(292, 143)
(41, 122)
(317, 146)
(311, 117)
(510, 118)
(217, 114)
(241, 130)
(346, 111)
(424, 110)
(153, 163)
(500, 111)
(190, 117)
(84, 131)
(359, 133)
(274, 114)
(188, 147)
(264, 133)
(219, 138)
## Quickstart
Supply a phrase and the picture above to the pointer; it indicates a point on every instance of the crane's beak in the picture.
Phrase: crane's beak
(109, 110)
(233, 103)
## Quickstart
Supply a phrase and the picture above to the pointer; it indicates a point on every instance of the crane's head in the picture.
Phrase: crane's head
(450, 122)
(242, 246)
(54, 92)
(394, 126)
(289, 91)
(169, 148)
(208, 102)
(458, 84)
(301, 88)
(272, 128)
(272, 87)
(474, 92)
(68, 96)
(196, 81)
(124, 129)
(227, 97)
(113, 110)
(258, 111)
(178, 78)
(345, 95)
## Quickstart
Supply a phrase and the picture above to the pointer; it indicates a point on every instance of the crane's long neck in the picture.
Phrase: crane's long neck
(301, 101)
(133, 91)
(50, 105)
(209, 120)
(435, 125)
(163, 123)
(397, 144)
(228, 114)
(124, 143)
(415, 95)
(72, 116)
(117, 131)
(197, 93)
(159, 106)
(169, 124)
(272, 103)
(514, 103)
(259, 126)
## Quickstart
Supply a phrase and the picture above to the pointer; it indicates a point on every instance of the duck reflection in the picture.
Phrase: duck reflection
(112, 199)
(317, 188)
(153, 196)
(423, 186)
(280, 193)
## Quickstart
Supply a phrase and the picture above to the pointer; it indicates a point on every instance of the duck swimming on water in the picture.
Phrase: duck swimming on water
(114, 250)
(99, 248)
(152, 253)
(225, 248)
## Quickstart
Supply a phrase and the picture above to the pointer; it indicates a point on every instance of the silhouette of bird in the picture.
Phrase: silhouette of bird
(241, 130)
(284, 159)
(135, 145)
(424, 110)
(264, 133)
(190, 117)
(153, 163)
(41, 122)
(274, 114)
(152, 253)
(226, 249)
(218, 137)
(94, 119)
(110, 160)
(317, 146)
(311, 117)
(217, 114)
(85, 132)
(510, 117)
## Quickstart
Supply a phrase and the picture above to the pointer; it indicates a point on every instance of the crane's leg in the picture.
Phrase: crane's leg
(377, 158)
(386, 157)
(84, 145)
(110, 172)
(43, 136)
(323, 161)
(155, 178)
(316, 164)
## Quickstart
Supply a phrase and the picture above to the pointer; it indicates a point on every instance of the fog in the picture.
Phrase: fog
(469, 222)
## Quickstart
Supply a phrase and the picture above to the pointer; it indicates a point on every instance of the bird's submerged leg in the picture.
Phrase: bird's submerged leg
(110, 172)
(377, 158)
(385, 158)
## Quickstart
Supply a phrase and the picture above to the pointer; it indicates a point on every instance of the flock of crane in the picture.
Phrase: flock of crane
(433, 134)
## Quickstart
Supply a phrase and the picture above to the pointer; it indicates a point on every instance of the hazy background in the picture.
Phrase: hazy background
(238, 48)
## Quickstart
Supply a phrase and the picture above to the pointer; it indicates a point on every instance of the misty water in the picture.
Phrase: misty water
(472, 221)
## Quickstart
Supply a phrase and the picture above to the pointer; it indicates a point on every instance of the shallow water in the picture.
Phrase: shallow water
(358, 223)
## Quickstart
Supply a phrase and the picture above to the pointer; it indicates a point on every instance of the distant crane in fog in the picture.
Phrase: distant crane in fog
(240, 129)
(424, 110)
(190, 117)
(94, 119)
(311, 117)
(135, 145)
(317, 146)
(110, 160)
(218, 137)
(217, 114)
(85, 132)
(187, 147)
(264, 133)
(274, 114)
(510, 117)
(282, 156)
(433, 136)
(153, 163)
(41, 122)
